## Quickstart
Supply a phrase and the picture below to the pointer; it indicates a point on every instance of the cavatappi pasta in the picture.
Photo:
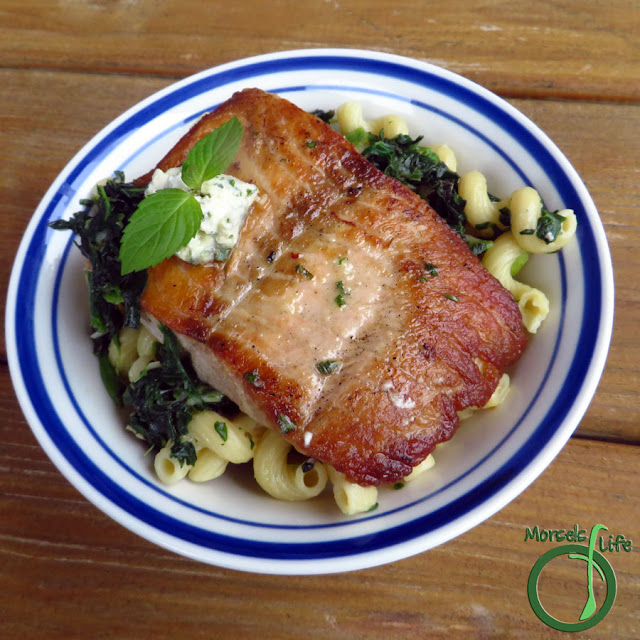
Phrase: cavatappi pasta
(499, 260)
(284, 481)
(526, 207)
(350, 119)
(219, 441)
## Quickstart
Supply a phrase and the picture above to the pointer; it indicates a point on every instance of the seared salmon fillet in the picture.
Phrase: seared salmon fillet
(333, 264)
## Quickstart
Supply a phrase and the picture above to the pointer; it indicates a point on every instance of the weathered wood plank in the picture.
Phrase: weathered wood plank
(566, 49)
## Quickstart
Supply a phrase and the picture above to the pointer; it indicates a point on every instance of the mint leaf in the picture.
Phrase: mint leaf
(212, 154)
(164, 222)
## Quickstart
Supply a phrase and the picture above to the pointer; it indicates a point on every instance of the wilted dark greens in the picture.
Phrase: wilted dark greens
(114, 299)
(420, 169)
(163, 399)
(549, 225)
(325, 116)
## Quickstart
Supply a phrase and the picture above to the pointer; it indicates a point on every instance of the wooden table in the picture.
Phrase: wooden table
(68, 68)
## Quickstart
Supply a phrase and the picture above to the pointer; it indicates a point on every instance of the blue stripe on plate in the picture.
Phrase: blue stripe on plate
(25, 327)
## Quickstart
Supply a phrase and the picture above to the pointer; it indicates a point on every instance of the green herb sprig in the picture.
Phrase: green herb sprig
(167, 220)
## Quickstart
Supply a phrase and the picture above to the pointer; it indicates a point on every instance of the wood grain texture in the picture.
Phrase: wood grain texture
(547, 49)
(69, 67)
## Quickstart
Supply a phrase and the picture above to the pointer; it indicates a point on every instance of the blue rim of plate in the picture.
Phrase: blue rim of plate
(584, 370)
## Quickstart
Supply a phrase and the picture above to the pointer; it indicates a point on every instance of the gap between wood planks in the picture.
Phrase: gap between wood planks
(506, 93)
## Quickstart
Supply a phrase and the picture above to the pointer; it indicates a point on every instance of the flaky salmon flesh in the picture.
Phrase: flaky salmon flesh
(332, 265)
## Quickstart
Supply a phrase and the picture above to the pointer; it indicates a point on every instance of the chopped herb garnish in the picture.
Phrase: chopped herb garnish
(343, 294)
(113, 294)
(505, 217)
(450, 296)
(221, 254)
(304, 272)
(328, 366)
(398, 485)
(527, 232)
(285, 424)
(210, 396)
(342, 260)
(358, 137)
(373, 507)
(221, 430)
(518, 263)
(311, 143)
(431, 268)
(253, 377)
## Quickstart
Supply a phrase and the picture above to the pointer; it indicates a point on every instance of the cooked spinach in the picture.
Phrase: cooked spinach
(477, 245)
(421, 170)
(114, 299)
(163, 400)
(325, 116)
(549, 225)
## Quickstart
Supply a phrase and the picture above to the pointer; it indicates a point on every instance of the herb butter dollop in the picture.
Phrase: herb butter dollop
(225, 202)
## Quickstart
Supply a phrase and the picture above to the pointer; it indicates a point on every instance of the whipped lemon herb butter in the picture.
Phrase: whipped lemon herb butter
(225, 202)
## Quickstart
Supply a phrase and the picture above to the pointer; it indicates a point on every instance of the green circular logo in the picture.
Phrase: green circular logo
(590, 616)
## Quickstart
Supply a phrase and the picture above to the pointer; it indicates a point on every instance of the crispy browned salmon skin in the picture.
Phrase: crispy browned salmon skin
(333, 265)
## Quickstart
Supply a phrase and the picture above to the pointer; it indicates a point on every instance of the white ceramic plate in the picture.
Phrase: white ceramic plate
(230, 522)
